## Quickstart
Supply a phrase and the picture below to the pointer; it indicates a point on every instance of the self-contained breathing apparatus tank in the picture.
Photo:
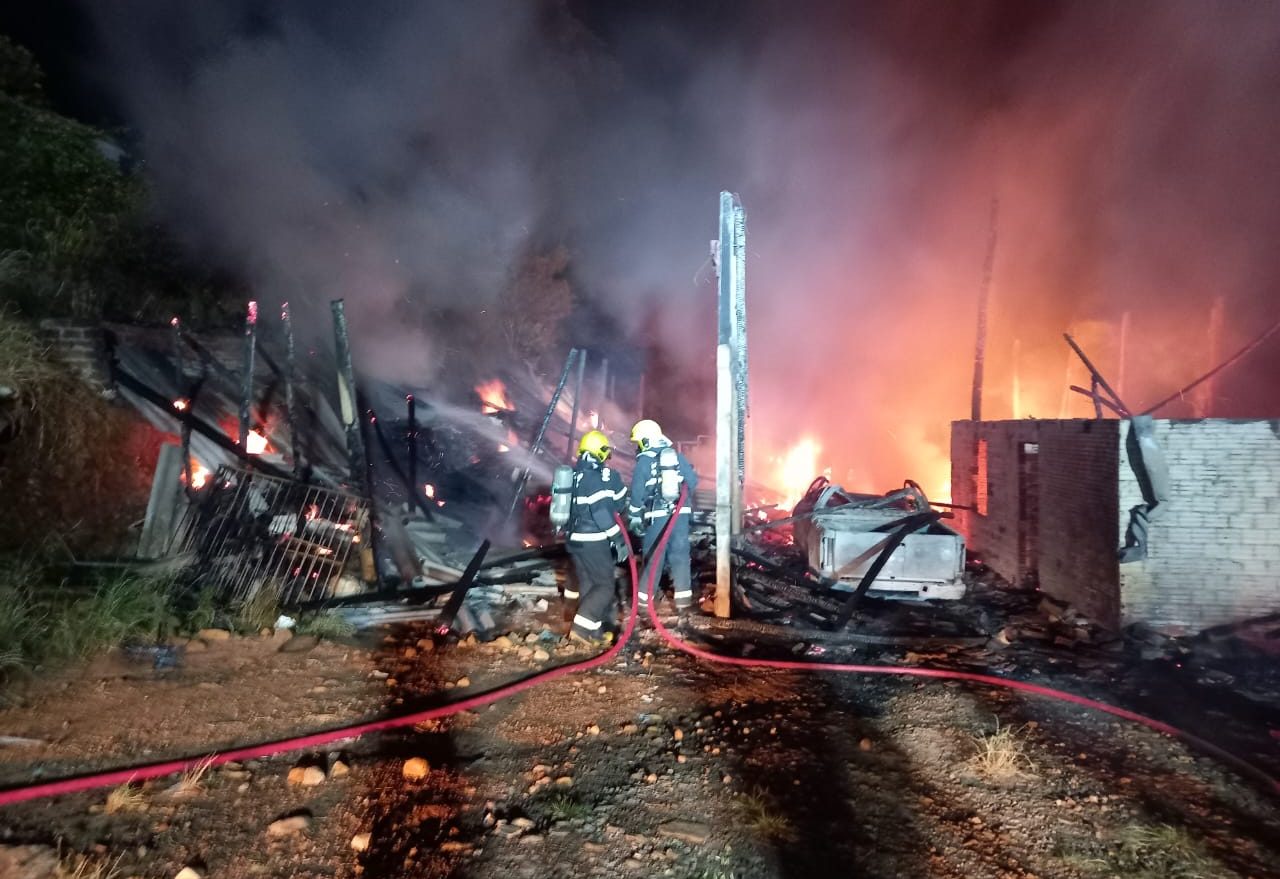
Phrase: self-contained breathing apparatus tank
(561, 496)
(669, 478)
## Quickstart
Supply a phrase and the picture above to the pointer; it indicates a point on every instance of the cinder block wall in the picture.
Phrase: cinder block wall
(1215, 550)
(1078, 514)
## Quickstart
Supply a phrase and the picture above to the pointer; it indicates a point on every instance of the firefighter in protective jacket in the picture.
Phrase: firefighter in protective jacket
(661, 474)
(596, 542)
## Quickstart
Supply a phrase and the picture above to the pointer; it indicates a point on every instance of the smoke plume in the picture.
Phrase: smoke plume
(406, 156)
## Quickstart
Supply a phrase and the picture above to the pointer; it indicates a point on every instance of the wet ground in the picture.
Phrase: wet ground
(658, 764)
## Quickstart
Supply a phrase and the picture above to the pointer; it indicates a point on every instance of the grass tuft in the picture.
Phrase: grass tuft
(563, 807)
(761, 816)
(325, 624)
(85, 867)
(260, 611)
(1002, 755)
(1142, 851)
(192, 780)
(125, 798)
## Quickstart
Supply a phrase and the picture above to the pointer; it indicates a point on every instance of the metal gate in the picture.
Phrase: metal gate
(250, 532)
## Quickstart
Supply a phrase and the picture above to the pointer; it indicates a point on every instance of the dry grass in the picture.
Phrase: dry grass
(75, 470)
(192, 780)
(259, 611)
(1142, 851)
(1002, 755)
(85, 867)
(125, 798)
(761, 816)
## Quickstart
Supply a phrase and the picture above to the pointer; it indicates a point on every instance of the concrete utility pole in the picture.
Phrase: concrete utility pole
(731, 390)
(984, 296)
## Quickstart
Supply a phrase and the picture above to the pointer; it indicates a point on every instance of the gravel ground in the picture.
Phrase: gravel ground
(652, 765)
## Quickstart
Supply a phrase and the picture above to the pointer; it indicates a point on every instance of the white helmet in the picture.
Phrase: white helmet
(646, 434)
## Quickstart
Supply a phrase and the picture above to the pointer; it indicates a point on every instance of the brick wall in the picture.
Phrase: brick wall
(1078, 515)
(993, 537)
(80, 345)
(1215, 549)
(1051, 512)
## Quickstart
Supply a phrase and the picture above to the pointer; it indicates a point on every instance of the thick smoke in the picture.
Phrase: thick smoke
(411, 154)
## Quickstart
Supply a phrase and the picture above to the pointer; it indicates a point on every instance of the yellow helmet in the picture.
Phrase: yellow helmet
(595, 444)
(646, 433)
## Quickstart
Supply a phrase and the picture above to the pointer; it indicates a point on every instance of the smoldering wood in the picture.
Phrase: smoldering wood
(1096, 375)
(290, 402)
(211, 433)
(246, 374)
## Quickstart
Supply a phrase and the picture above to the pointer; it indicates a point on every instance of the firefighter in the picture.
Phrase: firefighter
(596, 542)
(660, 475)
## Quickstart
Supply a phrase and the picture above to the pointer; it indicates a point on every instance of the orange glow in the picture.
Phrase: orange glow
(429, 489)
(796, 470)
(503, 448)
(257, 443)
(181, 404)
(493, 397)
(199, 475)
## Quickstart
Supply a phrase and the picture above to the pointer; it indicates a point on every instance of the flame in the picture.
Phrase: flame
(256, 444)
(429, 490)
(181, 404)
(595, 420)
(503, 447)
(797, 470)
(493, 397)
(199, 475)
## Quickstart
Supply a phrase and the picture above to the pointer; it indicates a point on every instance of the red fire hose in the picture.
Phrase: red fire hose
(652, 572)
(80, 783)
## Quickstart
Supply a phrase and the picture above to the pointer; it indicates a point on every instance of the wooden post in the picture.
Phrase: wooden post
(290, 403)
(577, 397)
(984, 296)
(411, 443)
(1124, 352)
(1016, 402)
(246, 377)
(1202, 401)
(347, 401)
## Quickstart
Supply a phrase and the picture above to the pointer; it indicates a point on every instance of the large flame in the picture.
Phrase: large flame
(493, 397)
(796, 470)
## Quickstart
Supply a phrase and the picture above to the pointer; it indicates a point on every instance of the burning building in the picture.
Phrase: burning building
(1170, 522)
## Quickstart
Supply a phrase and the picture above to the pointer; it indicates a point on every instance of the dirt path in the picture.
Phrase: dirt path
(652, 765)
